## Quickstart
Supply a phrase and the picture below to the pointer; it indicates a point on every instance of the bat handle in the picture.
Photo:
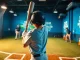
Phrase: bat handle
(27, 26)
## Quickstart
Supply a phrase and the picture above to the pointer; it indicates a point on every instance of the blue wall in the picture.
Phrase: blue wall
(65, 22)
(72, 19)
(7, 23)
(56, 23)
(11, 22)
(76, 14)
(19, 19)
(76, 25)
(50, 17)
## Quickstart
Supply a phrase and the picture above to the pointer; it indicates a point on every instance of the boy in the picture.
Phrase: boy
(68, 35)
(37, 38)
(17, 32)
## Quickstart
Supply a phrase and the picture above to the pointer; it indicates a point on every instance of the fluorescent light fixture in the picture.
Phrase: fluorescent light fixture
(19, 0)
(63, 0)
(4, 7)
(15, 14)
(42, 0)
(11, 11)
(55, 11)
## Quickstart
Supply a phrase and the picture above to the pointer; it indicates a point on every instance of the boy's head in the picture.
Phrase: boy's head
(67, 28)
(37, 19)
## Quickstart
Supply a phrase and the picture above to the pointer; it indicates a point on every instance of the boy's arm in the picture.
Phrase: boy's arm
(26, 39)
(27, 43)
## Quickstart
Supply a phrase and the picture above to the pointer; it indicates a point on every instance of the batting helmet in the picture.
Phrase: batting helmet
(37, 18)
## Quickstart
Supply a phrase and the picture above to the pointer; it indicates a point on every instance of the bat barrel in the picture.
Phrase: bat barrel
(30, 10)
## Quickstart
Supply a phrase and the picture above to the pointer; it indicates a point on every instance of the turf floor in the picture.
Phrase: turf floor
(55, 46)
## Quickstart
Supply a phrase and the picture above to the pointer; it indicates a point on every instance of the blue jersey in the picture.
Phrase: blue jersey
(38, 40)
(18, 28)
(67, 31)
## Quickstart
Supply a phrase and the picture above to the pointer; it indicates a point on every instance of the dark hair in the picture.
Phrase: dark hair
(67, 28)
(38, 18)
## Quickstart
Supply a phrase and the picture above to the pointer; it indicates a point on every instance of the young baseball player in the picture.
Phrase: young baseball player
(36, 39)
(17, 32)
(68, 35)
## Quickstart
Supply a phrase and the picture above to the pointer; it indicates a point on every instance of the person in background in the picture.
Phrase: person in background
(17, 32)
(36, 39)
(68, 35)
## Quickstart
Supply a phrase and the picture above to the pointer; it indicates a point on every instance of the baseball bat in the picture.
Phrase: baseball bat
(30, 10)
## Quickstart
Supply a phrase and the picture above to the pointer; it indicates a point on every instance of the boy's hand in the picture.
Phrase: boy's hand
(24, 34)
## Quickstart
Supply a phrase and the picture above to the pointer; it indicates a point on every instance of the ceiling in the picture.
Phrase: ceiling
(46, 6)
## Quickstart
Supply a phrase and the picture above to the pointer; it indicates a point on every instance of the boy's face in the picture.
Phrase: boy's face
(34, 25)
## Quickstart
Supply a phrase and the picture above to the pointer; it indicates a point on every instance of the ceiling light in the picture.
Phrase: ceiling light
(55, 11)
(19, 0)
(63, 0)
(42, 0)
(15, 14)
(4, 7)
(11, 11)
